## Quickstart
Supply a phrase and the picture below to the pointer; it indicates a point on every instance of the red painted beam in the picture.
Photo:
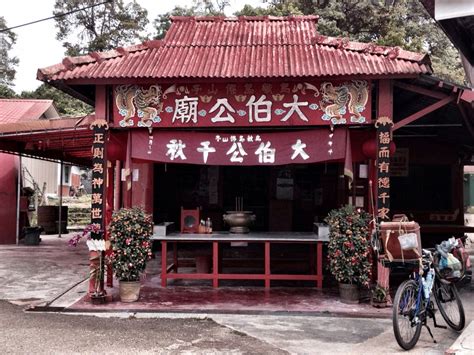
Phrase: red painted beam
(289, 277)
(423, 112)
(420, 90)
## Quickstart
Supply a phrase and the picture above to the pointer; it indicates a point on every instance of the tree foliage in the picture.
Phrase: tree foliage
(403, 23)
(66, 105)
(7, 63)
(99, 28)
(199, 8)
(6, 92)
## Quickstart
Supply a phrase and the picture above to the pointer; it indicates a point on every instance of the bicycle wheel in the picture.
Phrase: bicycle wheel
(406, 327)
(449, 304)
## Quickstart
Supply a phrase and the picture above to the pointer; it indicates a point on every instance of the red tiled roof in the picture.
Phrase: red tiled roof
(244, 47)
(15, 110)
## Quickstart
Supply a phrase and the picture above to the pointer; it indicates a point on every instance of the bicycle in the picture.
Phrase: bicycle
(413, 304)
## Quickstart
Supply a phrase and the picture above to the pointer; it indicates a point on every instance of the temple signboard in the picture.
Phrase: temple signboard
(311, 103)
(241, 148)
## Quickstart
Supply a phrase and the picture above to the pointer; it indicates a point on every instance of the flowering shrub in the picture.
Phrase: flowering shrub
(348, 249)
(87, 232)
(130, 230)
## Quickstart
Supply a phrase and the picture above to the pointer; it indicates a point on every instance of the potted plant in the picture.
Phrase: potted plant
(348, 250)
(379, 296)
(130, 230)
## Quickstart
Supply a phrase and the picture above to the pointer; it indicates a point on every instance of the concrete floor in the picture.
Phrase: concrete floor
(37, 275)
(32, 275)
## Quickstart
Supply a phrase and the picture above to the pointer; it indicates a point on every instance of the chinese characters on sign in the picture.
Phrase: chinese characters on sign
(384, 138)
(219, 148)
(99, 128)
(243, 104)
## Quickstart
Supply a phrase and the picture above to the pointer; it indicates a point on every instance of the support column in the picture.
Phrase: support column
(383, 125)
(99, 195)
(108, 216)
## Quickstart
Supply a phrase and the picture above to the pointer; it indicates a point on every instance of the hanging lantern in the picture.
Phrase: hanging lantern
(369, 148)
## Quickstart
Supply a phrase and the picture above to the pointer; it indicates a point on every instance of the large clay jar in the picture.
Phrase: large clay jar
(239, 221)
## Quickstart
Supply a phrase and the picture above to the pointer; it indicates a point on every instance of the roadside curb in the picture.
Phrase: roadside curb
(464, 344)
(197, 313)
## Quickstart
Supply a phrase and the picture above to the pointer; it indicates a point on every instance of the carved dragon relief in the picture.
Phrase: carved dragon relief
(131, 99)
(337, 100)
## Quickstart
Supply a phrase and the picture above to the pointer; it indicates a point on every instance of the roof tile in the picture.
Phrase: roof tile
(245, 47)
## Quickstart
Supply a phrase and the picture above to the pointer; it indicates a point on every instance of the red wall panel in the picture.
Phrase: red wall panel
(8, 196)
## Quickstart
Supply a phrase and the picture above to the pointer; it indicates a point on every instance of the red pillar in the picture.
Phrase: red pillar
(8, 197)
(384, 109)
(108, 215)
(142, 188)
(99, 188)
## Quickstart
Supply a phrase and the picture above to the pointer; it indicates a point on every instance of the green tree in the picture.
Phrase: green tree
(199, 8)
(403, 23)
(66, 105)
(6, 92)
(99, 28)
(7, 63)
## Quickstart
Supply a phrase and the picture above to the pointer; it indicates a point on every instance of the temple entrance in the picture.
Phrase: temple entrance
(283, 198)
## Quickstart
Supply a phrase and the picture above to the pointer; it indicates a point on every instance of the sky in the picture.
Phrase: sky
(36, 45)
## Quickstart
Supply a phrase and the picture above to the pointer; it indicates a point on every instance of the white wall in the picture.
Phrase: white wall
(42, 171)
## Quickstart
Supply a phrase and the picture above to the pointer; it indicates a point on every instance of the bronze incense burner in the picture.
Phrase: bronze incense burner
(239, 221)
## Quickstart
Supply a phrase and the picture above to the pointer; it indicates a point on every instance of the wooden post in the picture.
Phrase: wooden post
(215, 264)
(108, 215)
(267, 264)
(99, 194)
(383, 125)
(164, 264)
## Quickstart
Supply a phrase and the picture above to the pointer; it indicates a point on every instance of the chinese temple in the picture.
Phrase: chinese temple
(261, 115)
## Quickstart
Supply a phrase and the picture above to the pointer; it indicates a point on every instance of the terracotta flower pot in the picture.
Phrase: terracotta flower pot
(349, 293)
(129, 291)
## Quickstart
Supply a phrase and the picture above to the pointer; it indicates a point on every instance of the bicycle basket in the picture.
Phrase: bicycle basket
(452, 268)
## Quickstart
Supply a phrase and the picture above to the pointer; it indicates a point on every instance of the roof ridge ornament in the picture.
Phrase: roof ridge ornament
(97, 56)
(68, 63)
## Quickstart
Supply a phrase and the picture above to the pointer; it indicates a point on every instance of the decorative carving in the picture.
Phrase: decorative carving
(130, 98)
(336, 100)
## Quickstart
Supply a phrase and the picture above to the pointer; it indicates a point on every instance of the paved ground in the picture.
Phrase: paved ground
(27, 333)
(36, 275)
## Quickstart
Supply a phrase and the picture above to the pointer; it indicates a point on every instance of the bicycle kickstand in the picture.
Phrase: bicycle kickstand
(438, 325)
(431, 334)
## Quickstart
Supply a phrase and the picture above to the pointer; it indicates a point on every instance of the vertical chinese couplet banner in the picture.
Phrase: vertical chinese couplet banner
(99, 128)
(384, 138)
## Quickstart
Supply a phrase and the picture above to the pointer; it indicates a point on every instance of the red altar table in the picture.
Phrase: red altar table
(171, 271)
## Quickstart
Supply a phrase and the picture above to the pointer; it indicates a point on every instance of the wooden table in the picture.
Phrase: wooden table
(267, 238)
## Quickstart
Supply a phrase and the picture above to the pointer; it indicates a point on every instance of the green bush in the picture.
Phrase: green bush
(130, 231)
(349, 248)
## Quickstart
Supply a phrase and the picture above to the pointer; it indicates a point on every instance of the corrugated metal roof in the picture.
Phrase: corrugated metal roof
(16, 110)
(69, 139)
(244, 47)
